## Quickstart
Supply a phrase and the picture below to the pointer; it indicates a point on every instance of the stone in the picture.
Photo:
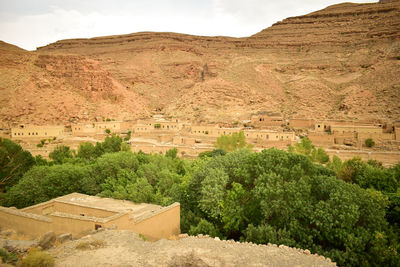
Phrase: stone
(8, 232)
(64, 237)
(47, 240)
(307, 252)
(217, 238)
(183, 235)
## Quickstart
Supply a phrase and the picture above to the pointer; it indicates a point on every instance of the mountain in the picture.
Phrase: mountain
(342, 62)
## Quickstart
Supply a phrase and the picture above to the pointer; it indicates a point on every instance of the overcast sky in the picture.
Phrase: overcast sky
(32, 23)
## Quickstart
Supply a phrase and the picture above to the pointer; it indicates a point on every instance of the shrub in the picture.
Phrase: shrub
(93, 244)
(369, 142)
(37, 258)
(43, 141)
(398, 57)
(39, 145)
(7, 257)
(107, 131)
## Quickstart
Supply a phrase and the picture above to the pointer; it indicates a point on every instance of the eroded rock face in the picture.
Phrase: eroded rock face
(340, 62)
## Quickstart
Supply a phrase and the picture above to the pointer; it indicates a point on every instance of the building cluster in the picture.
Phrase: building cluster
(264, 130)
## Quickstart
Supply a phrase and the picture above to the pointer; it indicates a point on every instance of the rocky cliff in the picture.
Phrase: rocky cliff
(341, 62)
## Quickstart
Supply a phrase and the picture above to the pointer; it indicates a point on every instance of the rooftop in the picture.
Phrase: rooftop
(106, 203)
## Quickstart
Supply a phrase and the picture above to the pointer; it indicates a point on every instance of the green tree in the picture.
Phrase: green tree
(42, 183)
(369, 142)
(172, 153)
(87, 151)
(14, 162)
(60, 154)
(232, 142)
(212, 153)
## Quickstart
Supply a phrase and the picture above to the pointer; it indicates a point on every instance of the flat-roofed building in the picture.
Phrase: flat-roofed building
(80, 214)
(24, 131)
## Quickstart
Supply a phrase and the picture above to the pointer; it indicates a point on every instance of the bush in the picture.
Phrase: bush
(7, 257)
(369, 142)
(37, 258)
(107, 131)
(39, 145)
(93, 244)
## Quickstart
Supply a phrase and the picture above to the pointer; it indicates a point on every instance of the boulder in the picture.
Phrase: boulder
(47, 240)
(64, 237)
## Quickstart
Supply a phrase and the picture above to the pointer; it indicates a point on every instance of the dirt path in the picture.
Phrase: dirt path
(125, 248)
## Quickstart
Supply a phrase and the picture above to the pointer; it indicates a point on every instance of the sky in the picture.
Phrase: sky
(34, 23)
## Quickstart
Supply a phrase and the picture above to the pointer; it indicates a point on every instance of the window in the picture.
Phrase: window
(15, 133)
(45, 133)
(319, 126)
(37, 134)
(29, 133)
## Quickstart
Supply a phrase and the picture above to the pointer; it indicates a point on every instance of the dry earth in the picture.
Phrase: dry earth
(340, 62)
(125, 248)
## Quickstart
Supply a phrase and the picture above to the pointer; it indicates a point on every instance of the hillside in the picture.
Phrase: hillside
(340, 62)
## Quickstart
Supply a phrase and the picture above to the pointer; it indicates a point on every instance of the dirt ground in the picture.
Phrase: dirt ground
(125, 248)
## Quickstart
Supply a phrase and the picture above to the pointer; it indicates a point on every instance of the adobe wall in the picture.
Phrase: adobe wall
(376, 136)
(113, 126)
(397, 133)
(76, 225)
(77, 209)
(163, 224)
(321, 127)
(25, 223)
(183, 140)
(83, 129)
(358, 129)
(39, 132)
(321, 139)
(165, 139)
(265, 120)
(301, 123)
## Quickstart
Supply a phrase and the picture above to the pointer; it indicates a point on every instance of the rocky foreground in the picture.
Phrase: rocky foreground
(125, 248)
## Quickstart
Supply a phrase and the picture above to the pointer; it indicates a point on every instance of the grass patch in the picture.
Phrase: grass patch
(93, 244)
(37, 258)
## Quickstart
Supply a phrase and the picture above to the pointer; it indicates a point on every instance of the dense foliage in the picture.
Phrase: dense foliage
(348, 211)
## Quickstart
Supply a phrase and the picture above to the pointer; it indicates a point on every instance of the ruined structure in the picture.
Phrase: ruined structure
(79, 214)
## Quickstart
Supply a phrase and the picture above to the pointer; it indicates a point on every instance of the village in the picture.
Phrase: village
(158, 134)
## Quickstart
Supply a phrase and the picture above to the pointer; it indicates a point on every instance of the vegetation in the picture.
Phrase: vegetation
(107, 131)
(348, 211)
(128, 136)
(369, 142)
(92, 244)
(37, 258)
(14, 162)
(8, 257)
(306, 147)
(232, 142)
